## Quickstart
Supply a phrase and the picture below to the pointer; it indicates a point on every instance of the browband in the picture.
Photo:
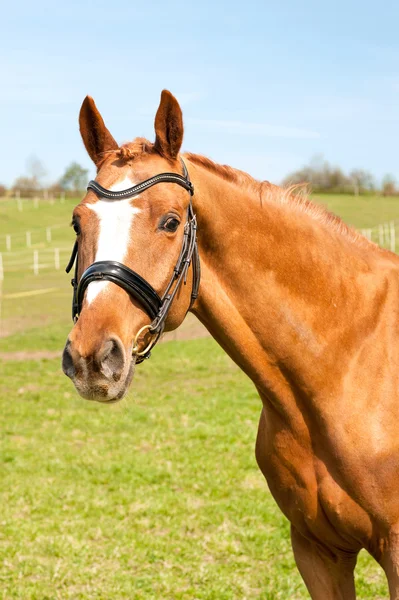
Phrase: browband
(144, 185)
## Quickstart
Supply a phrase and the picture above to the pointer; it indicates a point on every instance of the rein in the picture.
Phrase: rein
(157, 307)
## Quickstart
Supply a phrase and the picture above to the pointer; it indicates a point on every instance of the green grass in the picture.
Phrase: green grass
(18, 314)
(361, 211)
(50, 337)
(36, 220)
(157, 497)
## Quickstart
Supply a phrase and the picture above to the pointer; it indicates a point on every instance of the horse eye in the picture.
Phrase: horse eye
(171, 224)
(76, 227)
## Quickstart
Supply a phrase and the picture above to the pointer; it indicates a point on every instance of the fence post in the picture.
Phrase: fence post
(36, 262)
(28, 239)
(393, 240)
(387, 233)
(1, 267)
(48, 234)
(381, 235)
(8, 242)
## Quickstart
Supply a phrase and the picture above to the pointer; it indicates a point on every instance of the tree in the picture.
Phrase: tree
(28, 186)
(74, 178)
(36, 170)
(3, 190)
(389, 186)
(321, 176)
(362, 181)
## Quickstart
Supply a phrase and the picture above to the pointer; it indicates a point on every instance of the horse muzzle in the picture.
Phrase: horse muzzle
(103, 374)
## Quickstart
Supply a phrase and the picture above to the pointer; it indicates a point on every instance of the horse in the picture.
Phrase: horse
(306, 306)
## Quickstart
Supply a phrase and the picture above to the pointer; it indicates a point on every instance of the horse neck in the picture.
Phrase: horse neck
(284, 294)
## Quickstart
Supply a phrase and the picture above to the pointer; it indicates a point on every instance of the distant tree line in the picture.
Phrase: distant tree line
(323, 177)
(72, 183)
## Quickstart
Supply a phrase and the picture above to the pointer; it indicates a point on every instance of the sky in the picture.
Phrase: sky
(264, 86)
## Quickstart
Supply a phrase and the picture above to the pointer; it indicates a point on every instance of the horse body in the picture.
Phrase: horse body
(309, 310)
(317, 332)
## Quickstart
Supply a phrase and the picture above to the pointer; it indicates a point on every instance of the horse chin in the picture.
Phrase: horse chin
(105, 391)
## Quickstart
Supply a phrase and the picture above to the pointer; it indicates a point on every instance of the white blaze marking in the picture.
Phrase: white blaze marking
(115, 217)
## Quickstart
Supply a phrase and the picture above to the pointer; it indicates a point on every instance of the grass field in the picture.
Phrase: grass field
(158, 497)
(361, 211)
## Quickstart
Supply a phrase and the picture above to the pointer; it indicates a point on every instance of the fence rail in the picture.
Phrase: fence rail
(7, 240)
(36, 261)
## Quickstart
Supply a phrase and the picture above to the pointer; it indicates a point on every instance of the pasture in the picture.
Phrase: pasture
(156, 497)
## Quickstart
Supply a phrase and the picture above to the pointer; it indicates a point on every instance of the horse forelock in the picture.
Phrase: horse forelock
(129, 151)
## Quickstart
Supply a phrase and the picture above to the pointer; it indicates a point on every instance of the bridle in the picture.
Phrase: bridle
(157, 307)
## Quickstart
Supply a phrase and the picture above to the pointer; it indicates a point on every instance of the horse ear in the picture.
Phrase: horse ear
(96, 137)
(168, 126)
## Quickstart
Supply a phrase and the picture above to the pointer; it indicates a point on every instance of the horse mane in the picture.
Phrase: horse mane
(296, 196)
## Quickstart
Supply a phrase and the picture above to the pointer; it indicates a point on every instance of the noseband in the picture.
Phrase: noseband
(157, 307)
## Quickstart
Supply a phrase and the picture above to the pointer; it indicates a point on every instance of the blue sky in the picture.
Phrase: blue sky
(263, 85)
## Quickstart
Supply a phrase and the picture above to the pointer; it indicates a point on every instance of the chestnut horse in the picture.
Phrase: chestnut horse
(303, 304)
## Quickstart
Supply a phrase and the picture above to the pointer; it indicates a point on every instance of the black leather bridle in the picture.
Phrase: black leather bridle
(157, 307)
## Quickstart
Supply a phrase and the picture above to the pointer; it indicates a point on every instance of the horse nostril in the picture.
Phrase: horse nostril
(112, 358)
(67, 361)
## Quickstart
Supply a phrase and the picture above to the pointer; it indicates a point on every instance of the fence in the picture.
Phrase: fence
(36, 261)
(28, 238)
(383, 234)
